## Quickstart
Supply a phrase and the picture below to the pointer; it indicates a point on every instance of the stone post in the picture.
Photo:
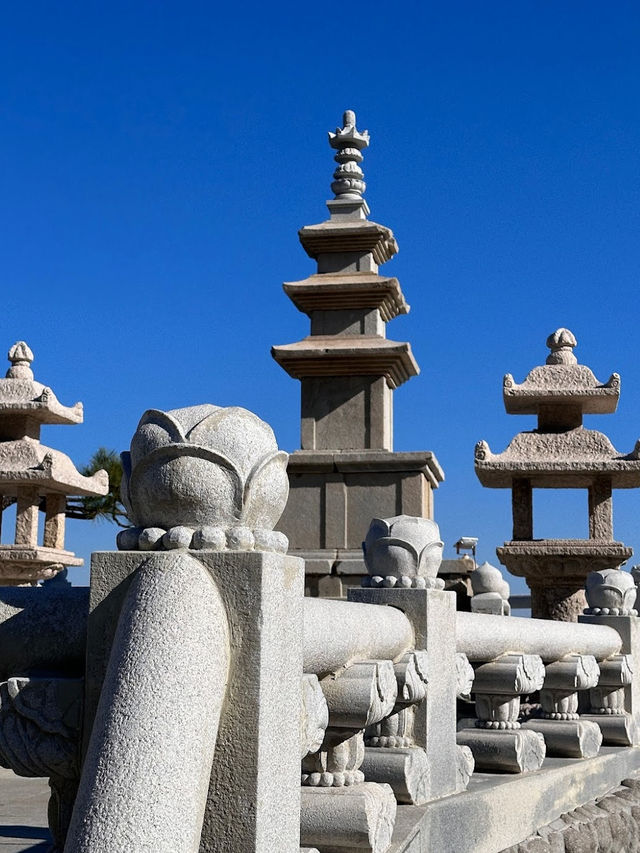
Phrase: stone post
(205, 486)
(615, 702)
(402, 556)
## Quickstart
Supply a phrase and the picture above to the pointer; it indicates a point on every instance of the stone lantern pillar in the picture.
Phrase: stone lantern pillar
(560, 454)
(34, 476)
(346, 471)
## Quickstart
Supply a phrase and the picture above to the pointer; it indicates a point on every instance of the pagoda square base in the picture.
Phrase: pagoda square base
(333, 497)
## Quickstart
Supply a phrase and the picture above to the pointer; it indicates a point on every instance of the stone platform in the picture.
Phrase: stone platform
(23, 814)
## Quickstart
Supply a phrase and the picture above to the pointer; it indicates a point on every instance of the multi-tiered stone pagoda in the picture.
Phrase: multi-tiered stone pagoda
(346, 471)
(34, 476)
(560, 454)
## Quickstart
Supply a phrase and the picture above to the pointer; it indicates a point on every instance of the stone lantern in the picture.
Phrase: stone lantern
(34, 476)
(560, 454)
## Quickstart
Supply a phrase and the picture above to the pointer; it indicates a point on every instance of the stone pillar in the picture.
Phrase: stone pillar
(496, 739)
(54, 521)
(561, 602)
(432, 613)
(601, 509)
(522, 505)
(27, 517)
(204, 495)
(564, 732)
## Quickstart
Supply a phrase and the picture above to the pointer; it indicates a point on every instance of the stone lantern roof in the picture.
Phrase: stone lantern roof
(32, 475)
(561, 389)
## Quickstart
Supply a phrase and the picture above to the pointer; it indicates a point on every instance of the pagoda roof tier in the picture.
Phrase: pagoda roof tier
(26, 462)
(561, 385)
(340, 291)
(554, 559)
(349, 236)
(568, 459)
(348, 356)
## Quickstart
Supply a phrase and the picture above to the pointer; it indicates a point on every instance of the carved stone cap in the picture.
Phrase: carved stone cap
(488, 578)
(561, 344)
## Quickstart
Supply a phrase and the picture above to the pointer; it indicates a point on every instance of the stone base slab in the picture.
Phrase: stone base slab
(488, 817)
(617, 729)
(503, 751)
(570, 738)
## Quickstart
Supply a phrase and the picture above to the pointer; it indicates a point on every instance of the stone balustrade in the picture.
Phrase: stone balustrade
(210, 674)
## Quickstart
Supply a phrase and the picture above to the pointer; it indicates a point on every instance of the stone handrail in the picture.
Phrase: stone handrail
(336, 633)
(483, 637)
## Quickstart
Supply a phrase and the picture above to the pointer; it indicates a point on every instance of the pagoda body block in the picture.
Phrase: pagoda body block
(35, 477)
(346, 470)
(560, 454)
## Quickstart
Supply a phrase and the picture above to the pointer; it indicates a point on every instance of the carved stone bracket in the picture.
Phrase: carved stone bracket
(360, 695)
(40, 726)
(564, 732)
(495, 738)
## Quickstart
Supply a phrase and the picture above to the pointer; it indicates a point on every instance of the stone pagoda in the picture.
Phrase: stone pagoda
(560, 454)
(36, 477)
(346, 471)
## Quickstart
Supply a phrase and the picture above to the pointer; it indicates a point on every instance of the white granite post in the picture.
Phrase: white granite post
(432, 614)
(611, 595)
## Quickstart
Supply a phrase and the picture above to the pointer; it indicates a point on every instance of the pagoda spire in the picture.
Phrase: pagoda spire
(348, 178)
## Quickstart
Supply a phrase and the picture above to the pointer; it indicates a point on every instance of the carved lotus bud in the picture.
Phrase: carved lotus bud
(203, 470)
(561, 344)
(404, 547)
(487, 578)
(611, 591)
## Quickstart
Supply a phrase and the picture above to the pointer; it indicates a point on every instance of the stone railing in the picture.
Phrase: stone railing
(171, 704)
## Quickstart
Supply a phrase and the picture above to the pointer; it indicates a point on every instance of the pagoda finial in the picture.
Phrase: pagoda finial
(348, 178)
(561, 344)
(20, 356)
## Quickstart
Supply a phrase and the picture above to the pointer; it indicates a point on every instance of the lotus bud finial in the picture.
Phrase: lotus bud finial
(611, 592)
(561, 344)
(204, 477)
(403, 551)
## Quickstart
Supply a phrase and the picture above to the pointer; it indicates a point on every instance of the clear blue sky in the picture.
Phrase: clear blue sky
(158, 159)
